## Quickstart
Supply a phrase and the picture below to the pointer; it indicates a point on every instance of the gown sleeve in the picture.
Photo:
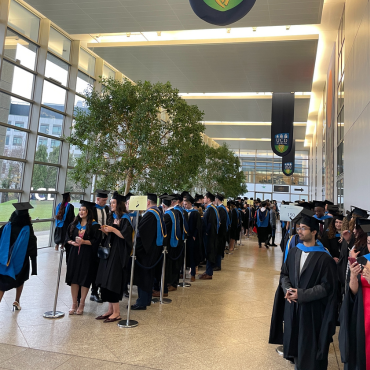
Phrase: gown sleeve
(95, 235)
(32, 251)
(126, 231)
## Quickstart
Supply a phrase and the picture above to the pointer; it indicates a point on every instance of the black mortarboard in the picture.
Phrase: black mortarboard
(258, 200)
(366, 229)
(87, 204)
(128, 196)
(176, 196)
(189, 198)
(339, 216)
(362, 221)
(24, 206)
(359, 212)
(319, 203)
(152, 197)
(119, 197)
(167, 200)
(101, 193)
(333, 208)
(313, 222)
(198, 197)
(65, 195)
(220, 197)
(210, 196)
(304, 213)
(183, 194)
(328, 202)
(163, 195)
(306, 205)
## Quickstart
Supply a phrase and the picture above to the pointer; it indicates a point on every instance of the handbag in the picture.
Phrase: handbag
(103, 251)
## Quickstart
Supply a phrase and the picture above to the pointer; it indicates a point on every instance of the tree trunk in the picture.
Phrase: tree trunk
(128, 183)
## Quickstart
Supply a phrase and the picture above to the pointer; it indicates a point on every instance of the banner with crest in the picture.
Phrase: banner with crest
(288, 162)
(282, 118)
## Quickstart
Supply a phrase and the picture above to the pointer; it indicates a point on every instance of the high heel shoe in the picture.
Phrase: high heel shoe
(79, 310)
(16, 306)
(72, 311)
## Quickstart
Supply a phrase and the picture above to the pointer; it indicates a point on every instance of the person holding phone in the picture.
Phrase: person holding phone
(309, 281)
(354, 334)
(83, 235)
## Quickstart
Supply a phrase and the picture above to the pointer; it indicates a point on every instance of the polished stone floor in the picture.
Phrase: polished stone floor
(215, 324)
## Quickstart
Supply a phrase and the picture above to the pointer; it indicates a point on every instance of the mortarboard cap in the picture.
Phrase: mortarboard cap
(167, 200)
(220, 197)
(101, 193)
(118, 197)
(87, 204)
(319, 203)
(198, 197)
(312, 222)
(152, 197)
(128, 196)
(366, 229)
(362, 221)
(183, 194)
(339, 216)
(189, 198)
(163, 195)
(359, 212)
(24, 206)
(65, 195)
(210, 196)
(328, 202)
(176, 196)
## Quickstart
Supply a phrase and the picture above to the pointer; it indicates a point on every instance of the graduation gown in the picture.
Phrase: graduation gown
(352, 335)
(81, 261)
(114, 272)
(222, 231)
(334, 247)
(234, 233)
(343, 262)
(210, 237)
(309, 325)
(147, 251)
(193, 247)
(60, 232)
(6, 282)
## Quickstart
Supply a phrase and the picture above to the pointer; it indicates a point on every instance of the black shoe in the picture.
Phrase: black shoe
(136, 307)
(217, 268)
(95, 298)
(267, 247)
(273, 245)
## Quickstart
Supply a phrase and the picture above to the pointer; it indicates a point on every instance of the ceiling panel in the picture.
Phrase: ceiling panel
(167, 15)
(283, 66)
(248, 110)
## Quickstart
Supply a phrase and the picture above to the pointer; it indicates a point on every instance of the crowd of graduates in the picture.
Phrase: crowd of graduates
(325, 272)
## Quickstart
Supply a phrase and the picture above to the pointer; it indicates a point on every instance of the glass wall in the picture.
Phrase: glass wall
(265, 180)
(38, 95)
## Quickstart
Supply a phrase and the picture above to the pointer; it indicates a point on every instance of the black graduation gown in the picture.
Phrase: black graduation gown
(60, 232)
(210, 234)
(175, 252)
(6, 282)
(113, 272)
(234, 233)
(352, 330)
(147, 252)
(343, 262)
(193, 247)
(81, 267)
(222, 231)
(309, 325)
(334, 247)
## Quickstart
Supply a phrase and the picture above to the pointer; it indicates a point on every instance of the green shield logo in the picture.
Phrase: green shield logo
(223, 5)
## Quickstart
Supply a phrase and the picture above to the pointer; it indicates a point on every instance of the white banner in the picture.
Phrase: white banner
(287, 213)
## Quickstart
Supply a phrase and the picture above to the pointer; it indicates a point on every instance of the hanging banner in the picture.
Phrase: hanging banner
(221, 12)
(288, 162)
(282, 118)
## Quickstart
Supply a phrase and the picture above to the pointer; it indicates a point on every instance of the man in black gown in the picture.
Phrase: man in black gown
(211, 220)
(222, 232)
(309, 282)
(149, 245)
(101, 212)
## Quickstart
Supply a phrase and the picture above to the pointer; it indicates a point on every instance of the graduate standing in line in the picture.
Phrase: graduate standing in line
(211, 223)
(64, 215)
(222, 232)
(18, 237)
(309, 282)
(263, 224)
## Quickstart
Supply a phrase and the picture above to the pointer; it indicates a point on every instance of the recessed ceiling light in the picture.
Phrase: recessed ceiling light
(287, 28)
(228, 30)
(159, 33)
(128, 34)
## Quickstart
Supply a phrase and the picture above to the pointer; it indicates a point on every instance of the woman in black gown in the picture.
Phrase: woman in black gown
(114, 272)
(64, 216)
(24, 244)
(83, 236)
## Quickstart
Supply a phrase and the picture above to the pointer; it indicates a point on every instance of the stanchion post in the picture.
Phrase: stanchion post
(56, 314)
(184, 284)
(131, 323)
(162, 300)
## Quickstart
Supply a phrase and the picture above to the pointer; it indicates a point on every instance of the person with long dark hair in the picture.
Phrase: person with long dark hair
(84, 236)
(18, 245)
(64, 215)
(114, 272)
(334, 236)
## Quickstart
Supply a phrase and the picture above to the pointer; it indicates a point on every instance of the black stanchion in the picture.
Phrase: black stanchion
(184, 284)
(56, 314)
(162, 300)
(131, 323)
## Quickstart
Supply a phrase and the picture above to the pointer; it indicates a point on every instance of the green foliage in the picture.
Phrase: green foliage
(221, 173)
(45, 176)
(143, 135)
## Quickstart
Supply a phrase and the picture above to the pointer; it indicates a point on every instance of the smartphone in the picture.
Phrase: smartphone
(352, 260)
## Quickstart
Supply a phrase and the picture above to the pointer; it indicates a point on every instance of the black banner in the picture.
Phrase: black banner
(221, 12)
(288, 162)
(282, 118)
(281, 188)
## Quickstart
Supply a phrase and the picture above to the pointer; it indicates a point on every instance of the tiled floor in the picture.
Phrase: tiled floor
(217, 324)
